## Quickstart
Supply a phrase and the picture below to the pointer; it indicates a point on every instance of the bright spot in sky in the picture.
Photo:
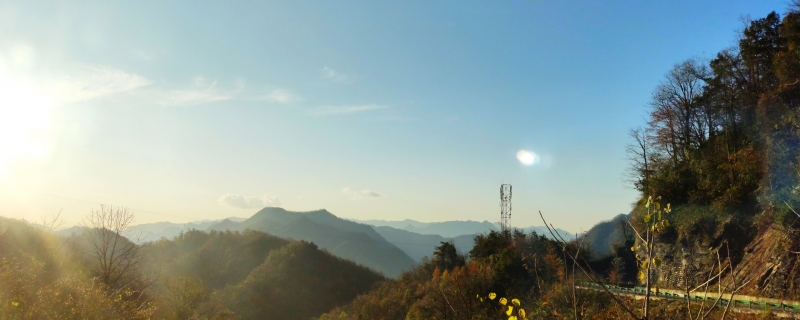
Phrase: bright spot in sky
(527, 157)
(24, 118)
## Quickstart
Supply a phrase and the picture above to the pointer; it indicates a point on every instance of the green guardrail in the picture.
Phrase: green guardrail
(697, 298)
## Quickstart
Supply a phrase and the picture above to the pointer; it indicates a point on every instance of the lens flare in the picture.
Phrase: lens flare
(527, 158)
(24, 118)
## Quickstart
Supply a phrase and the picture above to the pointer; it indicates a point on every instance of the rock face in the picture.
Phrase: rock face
(695, 257)
(767, 264)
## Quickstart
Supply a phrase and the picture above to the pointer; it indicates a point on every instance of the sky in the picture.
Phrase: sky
(193, 110)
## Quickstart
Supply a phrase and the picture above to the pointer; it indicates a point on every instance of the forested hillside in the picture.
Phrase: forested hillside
(97, 273)
(343, 238)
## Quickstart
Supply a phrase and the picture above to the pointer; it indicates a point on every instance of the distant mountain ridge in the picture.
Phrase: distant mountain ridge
(606, 235)
(447, 229)
(451, 229)
(154, 231)
(347, 239)
(378, 244)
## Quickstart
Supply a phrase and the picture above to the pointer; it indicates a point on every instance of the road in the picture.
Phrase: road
(741, 303)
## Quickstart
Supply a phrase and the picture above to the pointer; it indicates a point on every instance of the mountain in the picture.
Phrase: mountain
(147, 232)
(542, 230)
(418, 245)
(605, 235)
(346, 239)
(254, 274)
(450, 229)
(446, 229)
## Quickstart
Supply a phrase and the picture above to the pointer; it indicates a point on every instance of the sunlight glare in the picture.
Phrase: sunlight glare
(25, 115)
(527, 157)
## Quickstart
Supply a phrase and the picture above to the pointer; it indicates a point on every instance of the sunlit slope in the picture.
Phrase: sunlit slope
(346, 239)
(260, 276)
(298, 281)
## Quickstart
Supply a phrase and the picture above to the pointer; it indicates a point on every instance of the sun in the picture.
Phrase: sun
(25, 115)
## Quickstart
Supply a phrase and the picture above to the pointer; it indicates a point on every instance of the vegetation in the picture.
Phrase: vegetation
(97, 273)
(721, 148)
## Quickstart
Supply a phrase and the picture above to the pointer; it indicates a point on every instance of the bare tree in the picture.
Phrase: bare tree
(51, 223)
(117, 257)
(640, 156)
(677, 113)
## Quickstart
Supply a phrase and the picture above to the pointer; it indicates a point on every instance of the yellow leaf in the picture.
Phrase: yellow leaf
(503, 301)
(657, 262)
(640, 275)
(515, 301)
(512, 318)
(510, 310)
(521, 313)
(492, 296)
(14, 303)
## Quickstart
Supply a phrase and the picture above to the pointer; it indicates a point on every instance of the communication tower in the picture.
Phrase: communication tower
(505, 205)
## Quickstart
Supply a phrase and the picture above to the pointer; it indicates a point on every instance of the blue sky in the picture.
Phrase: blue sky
(191, 110)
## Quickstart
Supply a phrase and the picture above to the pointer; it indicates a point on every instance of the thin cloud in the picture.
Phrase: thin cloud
(204, 91)
(335, 76)
(280, 96)
(355, 194)
(244, 202)
(193, 97)
(93, 81)
(372, 194)
(343, 110)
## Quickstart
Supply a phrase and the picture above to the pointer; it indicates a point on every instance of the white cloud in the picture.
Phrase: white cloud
(205, 91)
(372, 194)
(92, 81)
(355, 194)
(335, 76)
(343, 110)
(280, 96)
(244, 202)
(193, 97)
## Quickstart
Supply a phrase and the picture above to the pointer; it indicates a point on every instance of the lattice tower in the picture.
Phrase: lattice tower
(505, 205)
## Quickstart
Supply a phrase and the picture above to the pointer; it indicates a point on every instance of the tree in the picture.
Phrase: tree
(116, 257)
(654, 222)
(446, 257)
(640, 154)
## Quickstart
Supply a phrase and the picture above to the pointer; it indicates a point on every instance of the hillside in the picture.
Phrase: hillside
(606, 236)
(346, 239)
(257, 275)
(196, 275)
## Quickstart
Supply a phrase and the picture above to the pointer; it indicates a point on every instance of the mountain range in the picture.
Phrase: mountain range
(346, 239)
(390, 247)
